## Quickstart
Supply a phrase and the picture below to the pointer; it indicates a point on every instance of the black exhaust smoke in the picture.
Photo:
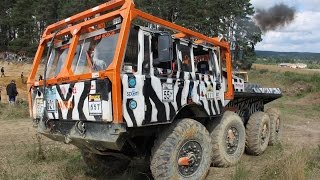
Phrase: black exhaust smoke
(274, 17)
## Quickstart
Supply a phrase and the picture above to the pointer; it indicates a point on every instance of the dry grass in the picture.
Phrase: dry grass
(299, 165)
(13, 112)
(276, 68)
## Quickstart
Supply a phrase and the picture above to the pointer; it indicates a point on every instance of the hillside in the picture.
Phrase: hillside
(288, 55)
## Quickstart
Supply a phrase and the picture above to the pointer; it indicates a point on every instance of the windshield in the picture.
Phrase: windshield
(96, 53)
(56, 60)
(92, 54)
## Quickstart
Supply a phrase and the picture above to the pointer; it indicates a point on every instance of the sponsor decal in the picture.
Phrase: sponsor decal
(133, 104)
(132, 82)
(95, 104)
(131, 93)
(65, 105)
(167, 92)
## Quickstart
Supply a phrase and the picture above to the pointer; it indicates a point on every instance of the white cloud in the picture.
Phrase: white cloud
(302, 35)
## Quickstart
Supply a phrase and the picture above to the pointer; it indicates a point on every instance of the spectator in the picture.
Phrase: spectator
(186, 66)
(12, 92)
(2, 72)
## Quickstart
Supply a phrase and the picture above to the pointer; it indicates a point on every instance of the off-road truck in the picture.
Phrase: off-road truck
(121, 84)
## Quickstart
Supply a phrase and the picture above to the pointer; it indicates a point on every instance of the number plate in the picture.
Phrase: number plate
(167, 92)
(95, 105)
(51, 105)
(51, 100)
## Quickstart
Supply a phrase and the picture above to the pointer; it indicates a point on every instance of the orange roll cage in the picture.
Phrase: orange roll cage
(79, 23)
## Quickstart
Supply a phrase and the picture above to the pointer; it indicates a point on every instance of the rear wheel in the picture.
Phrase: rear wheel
(228, 139)
(275, 126)
(105, 164)
(257, 133)
(182, 151)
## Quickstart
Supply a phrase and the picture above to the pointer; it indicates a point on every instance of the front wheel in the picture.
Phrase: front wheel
(183, 151)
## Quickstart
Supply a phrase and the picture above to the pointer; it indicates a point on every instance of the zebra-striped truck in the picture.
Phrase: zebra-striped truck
(122, 85)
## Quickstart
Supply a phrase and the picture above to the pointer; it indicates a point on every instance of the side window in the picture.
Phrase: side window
(186, 58)
(132, 51)
(202, 60)
(164, 65)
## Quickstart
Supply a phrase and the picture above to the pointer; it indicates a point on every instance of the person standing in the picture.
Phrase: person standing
(12, 92)
(2, 72)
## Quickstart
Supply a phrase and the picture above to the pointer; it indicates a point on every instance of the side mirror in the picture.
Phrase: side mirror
(165, 48)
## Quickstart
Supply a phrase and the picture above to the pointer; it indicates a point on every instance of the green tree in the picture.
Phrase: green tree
(6, 32)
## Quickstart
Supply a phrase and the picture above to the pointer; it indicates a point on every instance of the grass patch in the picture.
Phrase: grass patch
(299, 165)
(73, 167)
(241, 172)
(18, 111)
(262, 71)
(45, 153)
(313, 163)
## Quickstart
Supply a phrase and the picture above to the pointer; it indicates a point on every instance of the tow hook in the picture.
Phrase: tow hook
(81, 127)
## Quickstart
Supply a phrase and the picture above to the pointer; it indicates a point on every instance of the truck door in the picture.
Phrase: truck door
(133, 78)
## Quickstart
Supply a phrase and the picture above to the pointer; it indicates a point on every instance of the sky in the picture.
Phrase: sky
(302, 35)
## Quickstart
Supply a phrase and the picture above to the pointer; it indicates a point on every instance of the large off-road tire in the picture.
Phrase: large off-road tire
(184, 141)
(108, 165)
(228, 140)
(257, 133)
(275, 126)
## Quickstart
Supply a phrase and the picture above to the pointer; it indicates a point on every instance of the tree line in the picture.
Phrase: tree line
(22, 22)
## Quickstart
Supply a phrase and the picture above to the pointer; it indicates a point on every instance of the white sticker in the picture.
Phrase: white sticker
(202, 94)
(210, 95)
(40, 107)
(131, 93)
(218, 95)
(95, 104)
(167, 92)
(52, 105)
(95, 75)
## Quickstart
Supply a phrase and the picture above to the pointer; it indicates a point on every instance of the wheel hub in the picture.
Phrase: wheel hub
(232, 140)
(189, 158)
